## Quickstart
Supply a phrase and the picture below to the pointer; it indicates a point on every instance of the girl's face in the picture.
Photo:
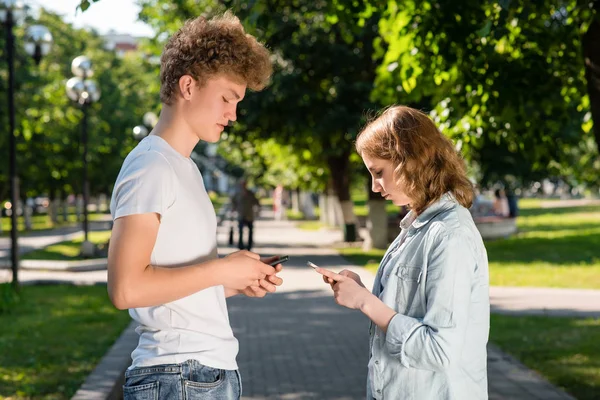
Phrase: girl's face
(382, 174)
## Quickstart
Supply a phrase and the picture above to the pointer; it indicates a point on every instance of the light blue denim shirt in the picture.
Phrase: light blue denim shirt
(438, 283)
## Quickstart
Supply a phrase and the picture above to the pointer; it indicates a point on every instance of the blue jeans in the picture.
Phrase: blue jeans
(189, 380)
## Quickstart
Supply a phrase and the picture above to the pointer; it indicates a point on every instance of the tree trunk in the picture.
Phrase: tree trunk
(306, 202)
(377, 221)
(591, 54)
(340, 177)
(333, 215)
(295, 201)
(323, 208)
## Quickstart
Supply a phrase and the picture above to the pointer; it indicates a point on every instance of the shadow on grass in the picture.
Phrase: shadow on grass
(55, 255)
(566, 250)
(555, 227)
(533, 212)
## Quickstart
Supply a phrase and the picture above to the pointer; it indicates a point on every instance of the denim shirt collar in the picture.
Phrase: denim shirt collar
(446, 202)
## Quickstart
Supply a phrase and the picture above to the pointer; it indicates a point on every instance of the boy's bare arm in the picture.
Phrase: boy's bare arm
(134, 282)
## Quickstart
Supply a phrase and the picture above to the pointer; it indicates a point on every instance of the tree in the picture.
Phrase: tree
(503, 79)
(325, 69)
(48, 123)
(267, 163)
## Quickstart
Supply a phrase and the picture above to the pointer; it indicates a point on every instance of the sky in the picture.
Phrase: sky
(119, 15)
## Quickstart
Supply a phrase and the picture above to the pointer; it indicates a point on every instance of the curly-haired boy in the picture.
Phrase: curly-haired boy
(162, 262)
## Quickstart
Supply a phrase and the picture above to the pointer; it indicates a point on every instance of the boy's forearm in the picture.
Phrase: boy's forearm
(157, 285)
(231, 292)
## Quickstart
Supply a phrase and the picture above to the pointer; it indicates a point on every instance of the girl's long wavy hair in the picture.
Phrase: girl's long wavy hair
(426, 162)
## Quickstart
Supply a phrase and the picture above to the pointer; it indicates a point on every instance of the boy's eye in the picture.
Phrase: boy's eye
(225, 100)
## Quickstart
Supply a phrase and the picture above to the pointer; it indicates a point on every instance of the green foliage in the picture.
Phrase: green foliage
(85, 4)
(48, 123)
(505, 82)
(265, 162)
(324, 69)
(503, 79)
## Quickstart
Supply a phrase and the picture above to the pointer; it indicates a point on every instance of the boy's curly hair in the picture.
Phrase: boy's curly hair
(204, 47)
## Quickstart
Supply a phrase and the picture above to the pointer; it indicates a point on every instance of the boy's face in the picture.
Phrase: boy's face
(208, 109)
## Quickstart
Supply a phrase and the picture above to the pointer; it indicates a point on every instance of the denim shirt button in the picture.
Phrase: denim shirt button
(379, 391)
(376, 362)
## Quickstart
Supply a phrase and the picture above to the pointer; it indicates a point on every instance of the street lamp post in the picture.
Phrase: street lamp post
(84, 91)
(149, 121)
(38, 44)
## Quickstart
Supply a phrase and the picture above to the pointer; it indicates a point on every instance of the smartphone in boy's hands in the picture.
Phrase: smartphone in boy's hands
(279, 260)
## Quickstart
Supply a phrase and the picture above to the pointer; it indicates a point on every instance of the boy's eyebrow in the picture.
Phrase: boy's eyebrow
(237, 96)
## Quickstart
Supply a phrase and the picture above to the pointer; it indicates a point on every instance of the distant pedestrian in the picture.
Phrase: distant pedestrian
(247, 207)
(501, 207)
(279, 203)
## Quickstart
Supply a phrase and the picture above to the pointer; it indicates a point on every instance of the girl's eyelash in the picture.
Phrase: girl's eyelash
(378, 173)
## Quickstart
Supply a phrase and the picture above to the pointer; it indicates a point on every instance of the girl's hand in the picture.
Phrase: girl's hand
(348, 290)
(347, 273)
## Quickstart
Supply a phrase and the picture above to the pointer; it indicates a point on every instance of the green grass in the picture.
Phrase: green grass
(310, 225)
(555, 247)
(53, 338)
(368, 259)
(361, 209)
(564, 350)
(294, 215)
(68, 250)
(266, 201)
(42, 222)
(218, 200)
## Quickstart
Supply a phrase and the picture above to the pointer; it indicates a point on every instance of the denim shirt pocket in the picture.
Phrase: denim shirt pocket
(408, 283)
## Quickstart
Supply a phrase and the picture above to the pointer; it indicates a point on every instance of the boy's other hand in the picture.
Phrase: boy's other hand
(244, 269)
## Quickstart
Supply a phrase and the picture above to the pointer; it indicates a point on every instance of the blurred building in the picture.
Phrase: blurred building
(121, 43)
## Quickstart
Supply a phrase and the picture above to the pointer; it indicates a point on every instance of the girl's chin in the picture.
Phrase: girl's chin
(399, 203)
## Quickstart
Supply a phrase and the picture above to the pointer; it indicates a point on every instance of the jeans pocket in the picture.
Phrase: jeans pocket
(147, 391)
(205, 377)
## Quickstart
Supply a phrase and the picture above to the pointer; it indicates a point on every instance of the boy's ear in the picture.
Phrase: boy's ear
(186, 86)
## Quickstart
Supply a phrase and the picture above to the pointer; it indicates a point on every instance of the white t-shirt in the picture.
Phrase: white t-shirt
(156, 178)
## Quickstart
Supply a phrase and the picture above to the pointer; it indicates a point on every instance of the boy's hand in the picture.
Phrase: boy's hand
(243, 270)
(263, 286)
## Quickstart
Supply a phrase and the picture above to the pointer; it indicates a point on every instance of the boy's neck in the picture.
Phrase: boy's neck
(175, 132)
